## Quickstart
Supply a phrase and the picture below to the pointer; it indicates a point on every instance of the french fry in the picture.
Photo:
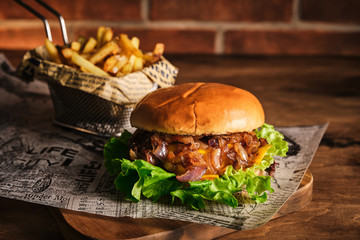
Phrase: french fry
(158, 51)
(119, 74)
(135, 42)
(86, 55)
(121, 61)
(132, 59)
(148, 57)
(82, 41)
(83, 69)
(99, 36)
(75, 46)
(117, 51)
(138, 64)
(67, 53)
(90, 45)
(53, 52)
(110, 63)
(107, 37)
(103, 52)
(126, 68)
(88, 66)
(127, 47)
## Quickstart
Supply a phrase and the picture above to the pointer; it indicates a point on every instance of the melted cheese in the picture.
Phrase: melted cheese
(202, 151)
(209, 176)
(261, 153)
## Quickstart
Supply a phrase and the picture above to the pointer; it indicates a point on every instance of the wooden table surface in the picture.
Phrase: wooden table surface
(293, 91)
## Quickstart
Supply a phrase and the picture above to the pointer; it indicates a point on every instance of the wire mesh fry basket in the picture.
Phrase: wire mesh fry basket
(86, 102)
(89, 113)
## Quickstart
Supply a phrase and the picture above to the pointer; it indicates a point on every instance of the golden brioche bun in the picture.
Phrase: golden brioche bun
(197, 109)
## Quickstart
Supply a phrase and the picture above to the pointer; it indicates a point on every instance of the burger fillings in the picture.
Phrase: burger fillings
(194, 158)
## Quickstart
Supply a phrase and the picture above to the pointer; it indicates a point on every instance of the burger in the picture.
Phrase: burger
(196, 142)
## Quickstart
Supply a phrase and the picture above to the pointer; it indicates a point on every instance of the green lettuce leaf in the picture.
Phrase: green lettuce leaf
(222, 189)
(142, 178)
(278, 145)
(116, 148)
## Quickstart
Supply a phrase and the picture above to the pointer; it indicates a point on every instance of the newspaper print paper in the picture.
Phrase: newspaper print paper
(53, 166)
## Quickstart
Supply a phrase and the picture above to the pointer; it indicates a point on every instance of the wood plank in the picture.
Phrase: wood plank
(24, 220)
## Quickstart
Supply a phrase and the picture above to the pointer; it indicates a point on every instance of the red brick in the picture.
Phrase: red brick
(27, 38)
(301, 42)
(330, 11)
(175, 40)
(78, 10)
(222, 10)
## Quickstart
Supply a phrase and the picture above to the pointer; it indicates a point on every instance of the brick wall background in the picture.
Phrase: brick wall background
(250, 27)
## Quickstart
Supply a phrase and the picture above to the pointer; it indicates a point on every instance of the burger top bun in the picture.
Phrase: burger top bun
(197, 109)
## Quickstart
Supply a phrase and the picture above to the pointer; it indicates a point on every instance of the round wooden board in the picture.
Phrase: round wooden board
(75, 225)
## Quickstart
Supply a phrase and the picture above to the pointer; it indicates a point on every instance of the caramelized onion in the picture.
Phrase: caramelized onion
(190, 158)
(161, 151)
(193, 174)
(202, 145)
(231, 155)
(241, 151)
(132, 155)
(188, 140)
(149, 157)
(183, 139)
(213, 143)
(215, 158)
(159, 147)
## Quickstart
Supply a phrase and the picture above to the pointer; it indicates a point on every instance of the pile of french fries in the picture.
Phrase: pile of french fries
(106, 55)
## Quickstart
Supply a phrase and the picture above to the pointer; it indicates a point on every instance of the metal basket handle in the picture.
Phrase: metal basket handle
(45, 21)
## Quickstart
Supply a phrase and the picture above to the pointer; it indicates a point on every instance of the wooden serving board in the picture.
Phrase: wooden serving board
(77, 225)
